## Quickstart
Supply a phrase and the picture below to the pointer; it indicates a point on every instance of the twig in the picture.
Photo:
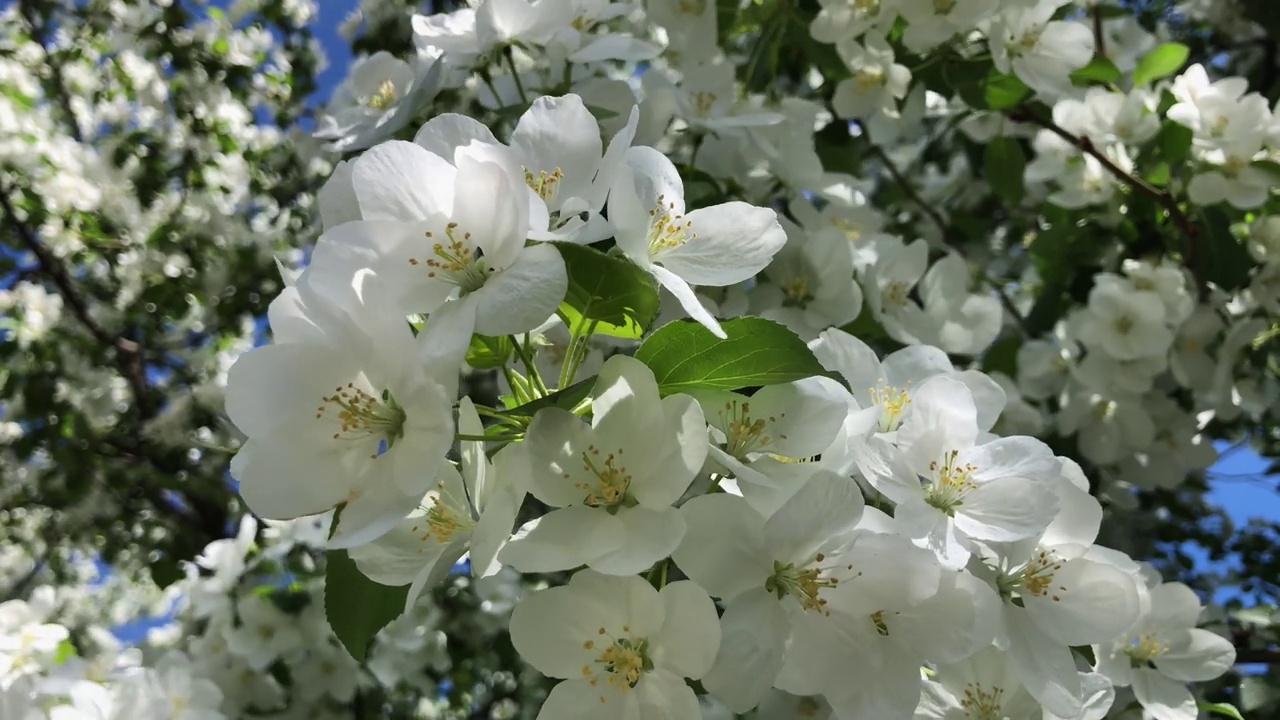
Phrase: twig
(1164, 198)
(55, 70)
(1250, 656)
(910, 192)
(1010, 307)
(130, 354)
(1099, 37)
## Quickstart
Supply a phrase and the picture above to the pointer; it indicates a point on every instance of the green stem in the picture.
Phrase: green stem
(526, 358)
(486, 438)
(515, 74)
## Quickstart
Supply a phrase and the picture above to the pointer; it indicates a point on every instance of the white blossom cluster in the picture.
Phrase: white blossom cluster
(718, 540)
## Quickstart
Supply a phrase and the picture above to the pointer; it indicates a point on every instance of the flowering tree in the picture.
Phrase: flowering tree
(669, 360)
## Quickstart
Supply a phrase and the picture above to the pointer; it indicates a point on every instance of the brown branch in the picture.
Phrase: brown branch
(1253, 656)
(28, 12)
(1099, 37)
(910, 191)
(1163, 198)
(129, 354)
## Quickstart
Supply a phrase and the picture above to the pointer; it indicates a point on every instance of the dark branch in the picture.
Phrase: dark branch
(1251, 656)
(910, 191)
(1162, 197)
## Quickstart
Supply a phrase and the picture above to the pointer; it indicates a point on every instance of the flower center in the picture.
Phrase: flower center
(802, 583)
(852, 230)
(744, 434)
(795, 292)
(1037, 576)
(868, 78)
(1144, 648)
(691, 7)
(667, 228)
(702, 101)
(1123, 325)
(877, 621)
(982, 704)
(361, 415)
(624, 660)
(895, 294)
(942, 7)
(385, 96)
(893, 405)
(444, 521)
(544, 183)
(458, 263)
(951, 483)
(612, 481)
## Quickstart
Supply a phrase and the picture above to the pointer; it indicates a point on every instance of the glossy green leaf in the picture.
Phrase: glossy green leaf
(686, 356)
(1166, 59)
(613, 292)
(357, 607)
(487, 352)
(1099, 70)
(1222, 258)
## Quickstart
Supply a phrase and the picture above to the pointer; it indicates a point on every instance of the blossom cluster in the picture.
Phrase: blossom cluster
(798, 546)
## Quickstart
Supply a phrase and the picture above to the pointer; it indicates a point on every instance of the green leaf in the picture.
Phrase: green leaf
(566, 399)
(613, 292)
(66, 649)
(487, 352)
(686, 356)
(357, 607)
(1100, 70)
(1164, 60)
(1002, 164)
(1004, 91)
(1224, 709)
(1270, 167)
(1174, 141)
(1222, 258)
(1002, 356)
(1256, 691)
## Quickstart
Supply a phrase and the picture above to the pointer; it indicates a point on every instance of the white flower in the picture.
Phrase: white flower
(707, 98)
(717, 246)
(435, 233)
(623, 648)
(556, 147)
(1164, 651)
(932, 22)
(877, 83)
(996, 491)
(811, 284)
(469, 511)
(613, 481)
(1125, 322)
(888, 386)
(264, 634)
(839, 19)
(762, 569)
(1042, 52)
(345, 408)
(986, 685)
(379, 97)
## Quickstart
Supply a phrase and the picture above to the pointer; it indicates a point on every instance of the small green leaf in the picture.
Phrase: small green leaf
(357, 607)
(1002, 356)
(1174, 141)
(487, 352)
(1164, 60)
(1100, 70)
(66, 649)
(614, 293)
(566, 399)
(1004, 91)
(1269, 167)
(1002, 164)
(686, 356)
(1223, 709)
(1223, 259)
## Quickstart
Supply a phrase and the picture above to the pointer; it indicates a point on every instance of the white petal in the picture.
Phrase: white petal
(826, 507)
(663, 695)
(563, 539)
(734, 242)
(1165, 699)
(647, 537)
(1099, 603)
(523, 296)
(1006, 509)
(580, 700)
(690, 635)
(687, 299)
(444, 134)
(398, 180)
(1046, 668)
(1204, 656)
(754, 632)
(722, 549)
(675, 464)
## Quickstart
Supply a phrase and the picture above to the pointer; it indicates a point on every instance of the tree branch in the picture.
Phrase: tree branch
(1260, 656)
(910, 191)
(1163, 198)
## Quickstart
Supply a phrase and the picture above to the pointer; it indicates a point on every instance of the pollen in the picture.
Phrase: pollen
(802, 583)
(667, 228)
(982, 704)
(610, 481)
(745, 433)
(951, 483)
(362, 415)
(384, 97)
(623, 662)
(893, 404)
(1037, 576)
(457, 262)
(544, 183)
(1144, 648)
